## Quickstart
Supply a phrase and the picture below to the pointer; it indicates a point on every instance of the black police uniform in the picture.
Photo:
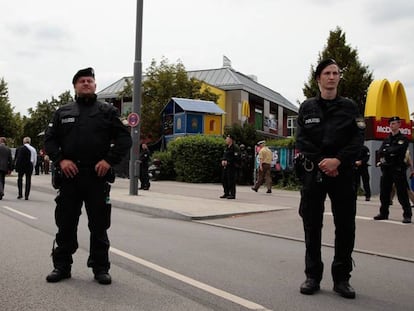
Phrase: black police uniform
(230, 170)
(85, 131)
(328, 129)
(392, 154)
(361, 172)
(144, 178)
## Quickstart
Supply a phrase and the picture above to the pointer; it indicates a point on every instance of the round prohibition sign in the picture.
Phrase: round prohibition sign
(133, 119)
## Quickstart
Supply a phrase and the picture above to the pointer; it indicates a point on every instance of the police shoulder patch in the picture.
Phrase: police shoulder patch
(360, 122)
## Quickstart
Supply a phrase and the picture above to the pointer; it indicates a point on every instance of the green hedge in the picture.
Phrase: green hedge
(197, 158)
(167, 165)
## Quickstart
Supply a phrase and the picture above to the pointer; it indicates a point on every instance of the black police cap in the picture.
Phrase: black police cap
(230, 136)
(395, 118)
(322, 65)
(87, 72)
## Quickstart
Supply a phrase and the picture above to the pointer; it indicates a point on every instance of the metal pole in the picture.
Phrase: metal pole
(136, 100)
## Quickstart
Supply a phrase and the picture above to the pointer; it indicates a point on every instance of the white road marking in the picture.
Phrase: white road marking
(212, 290)
(394, 222)
(20, 213)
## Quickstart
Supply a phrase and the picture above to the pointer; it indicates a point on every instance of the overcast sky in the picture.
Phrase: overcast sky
(43, 43)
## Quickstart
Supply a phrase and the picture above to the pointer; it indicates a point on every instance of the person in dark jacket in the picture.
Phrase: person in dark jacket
(84, 140)
(361, 172)
(6, 164)
(329, 138)
(25, 161)
(144, 158)
(393, 167)
(229, 167)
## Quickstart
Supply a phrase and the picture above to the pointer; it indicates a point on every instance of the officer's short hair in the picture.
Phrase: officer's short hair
(26, 140)
(322, 65)
(395, 118)
(86, 72)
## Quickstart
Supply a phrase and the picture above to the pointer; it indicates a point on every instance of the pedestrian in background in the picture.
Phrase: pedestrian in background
(228, 164)
(84, 140)
(144, 159)
(39, 163)
(25, 161)
(392, 154)
(46, 163)
(329, 139)
(265, 156)
(361, 172)
(6, 164)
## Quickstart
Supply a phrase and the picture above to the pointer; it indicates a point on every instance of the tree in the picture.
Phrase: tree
(35, 126)
(9, 122)
(161, 82)
(356, 77)
(245, 134)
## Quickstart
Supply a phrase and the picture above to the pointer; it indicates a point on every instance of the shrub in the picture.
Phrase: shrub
(167, 165)
(197, 158)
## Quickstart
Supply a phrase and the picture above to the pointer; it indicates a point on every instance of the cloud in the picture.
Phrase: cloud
(390, 11)
(38, 35)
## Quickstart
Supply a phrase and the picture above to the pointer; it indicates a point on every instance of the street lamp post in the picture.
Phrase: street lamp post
(136, 101)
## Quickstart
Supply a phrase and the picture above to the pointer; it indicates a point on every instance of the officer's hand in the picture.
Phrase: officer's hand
(68, 168)
(102, 168)
(329, 166)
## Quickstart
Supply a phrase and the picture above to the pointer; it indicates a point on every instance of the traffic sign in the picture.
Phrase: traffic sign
(133, 119)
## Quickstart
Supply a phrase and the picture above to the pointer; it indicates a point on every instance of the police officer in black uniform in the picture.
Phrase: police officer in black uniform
(144, 158)
(329, 138)
(361, 172)
(392, 153)
(229, 167)
(84, 140)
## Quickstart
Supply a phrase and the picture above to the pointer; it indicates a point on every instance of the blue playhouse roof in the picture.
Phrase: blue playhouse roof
(192, 105)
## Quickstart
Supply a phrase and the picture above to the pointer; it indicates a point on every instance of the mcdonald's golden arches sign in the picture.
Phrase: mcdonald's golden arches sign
(384, 100)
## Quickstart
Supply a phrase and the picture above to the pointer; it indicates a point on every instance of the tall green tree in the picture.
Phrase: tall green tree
(356, 77)
(161, 82)
(35, 125)
(9, 122)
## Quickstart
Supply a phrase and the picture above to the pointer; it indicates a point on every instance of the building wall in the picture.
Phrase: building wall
(221, 101)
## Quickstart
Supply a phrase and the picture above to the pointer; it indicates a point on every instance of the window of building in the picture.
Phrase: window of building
(258, 119)
(291, 126)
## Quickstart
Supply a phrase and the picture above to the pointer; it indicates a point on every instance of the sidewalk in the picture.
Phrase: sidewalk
(179, 200)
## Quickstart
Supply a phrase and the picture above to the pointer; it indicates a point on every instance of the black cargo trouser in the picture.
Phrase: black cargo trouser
(94, 192)
(229, 180)
(362, 173)
(342, 193)
(394, 175)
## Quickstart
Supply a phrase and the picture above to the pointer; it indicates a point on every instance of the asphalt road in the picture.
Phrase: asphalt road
(166, 264)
